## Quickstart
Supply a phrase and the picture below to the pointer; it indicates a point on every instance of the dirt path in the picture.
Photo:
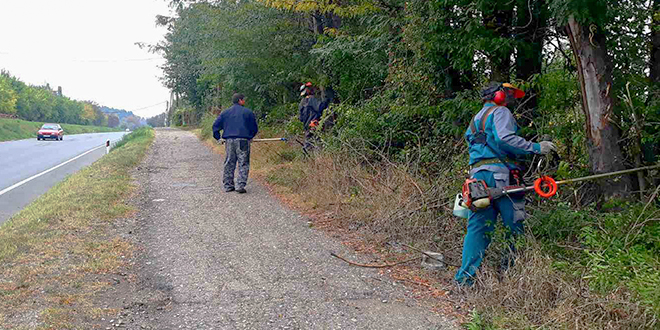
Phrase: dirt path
(215, 260)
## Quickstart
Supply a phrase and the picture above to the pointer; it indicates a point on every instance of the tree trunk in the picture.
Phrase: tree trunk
(533, 19)
(595, 76)
(654, 65)
(650, 149)
(499, 21)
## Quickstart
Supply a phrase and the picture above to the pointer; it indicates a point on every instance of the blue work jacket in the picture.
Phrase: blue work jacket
(237, 122)
(501, 129)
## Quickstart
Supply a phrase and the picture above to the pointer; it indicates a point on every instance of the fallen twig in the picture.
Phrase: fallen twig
(372, 265)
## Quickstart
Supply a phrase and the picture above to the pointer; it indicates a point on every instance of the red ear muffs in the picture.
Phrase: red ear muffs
(499, 98)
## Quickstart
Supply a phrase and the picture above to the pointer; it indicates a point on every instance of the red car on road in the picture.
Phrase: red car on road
(50, 131)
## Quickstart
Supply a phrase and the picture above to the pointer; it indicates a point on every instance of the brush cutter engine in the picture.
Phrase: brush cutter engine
(476, 195)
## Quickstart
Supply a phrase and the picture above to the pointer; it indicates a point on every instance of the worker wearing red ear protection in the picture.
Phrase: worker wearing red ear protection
(494, 147)
(310, 111)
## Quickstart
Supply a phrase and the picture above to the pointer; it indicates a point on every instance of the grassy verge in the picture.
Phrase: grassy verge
(576, 267)
(59, 251)
(16, 129)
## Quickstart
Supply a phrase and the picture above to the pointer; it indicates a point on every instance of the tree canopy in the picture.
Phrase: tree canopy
(416, 67)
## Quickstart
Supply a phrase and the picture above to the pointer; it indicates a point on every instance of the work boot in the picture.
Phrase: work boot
(229, 189)
(241, 190)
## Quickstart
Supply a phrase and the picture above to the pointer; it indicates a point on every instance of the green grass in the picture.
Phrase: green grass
(55, 253)
(17, 129)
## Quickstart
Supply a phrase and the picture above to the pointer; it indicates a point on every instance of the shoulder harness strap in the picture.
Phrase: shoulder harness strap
(484, 118)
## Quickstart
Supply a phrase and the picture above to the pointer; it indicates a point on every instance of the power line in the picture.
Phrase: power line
(147, 107)
(118, 61)
(98, 60)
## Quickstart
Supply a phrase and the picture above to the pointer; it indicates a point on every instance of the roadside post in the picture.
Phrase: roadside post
(107, 147)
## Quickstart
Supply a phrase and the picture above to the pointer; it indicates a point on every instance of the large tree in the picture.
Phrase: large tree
(498, 19)
(585, 21)
(531, 31)
(7, 96)
(654, 64)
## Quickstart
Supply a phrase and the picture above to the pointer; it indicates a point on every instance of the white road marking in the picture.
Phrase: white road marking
(6, 190)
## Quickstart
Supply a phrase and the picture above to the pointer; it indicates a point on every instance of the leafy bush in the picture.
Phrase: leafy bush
(206, 125)
(281, 114)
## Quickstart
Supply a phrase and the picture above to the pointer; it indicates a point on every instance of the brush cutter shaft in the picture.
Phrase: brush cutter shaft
(268, 139)
(222, 141)
(552, 185)
(606, 175)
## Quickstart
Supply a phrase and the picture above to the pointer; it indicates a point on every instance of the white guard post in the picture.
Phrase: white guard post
(107, 147)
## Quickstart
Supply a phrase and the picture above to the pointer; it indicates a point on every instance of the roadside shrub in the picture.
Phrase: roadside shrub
(581, 267)
(281, 114)
(206, 125)
(185, 116)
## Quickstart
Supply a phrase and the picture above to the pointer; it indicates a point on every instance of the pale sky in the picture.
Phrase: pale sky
(88, 48)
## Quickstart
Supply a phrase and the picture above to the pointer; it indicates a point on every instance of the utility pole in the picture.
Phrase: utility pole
(167, 111)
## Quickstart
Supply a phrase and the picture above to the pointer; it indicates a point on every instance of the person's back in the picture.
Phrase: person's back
(494, 145)
(309, 110)
(239, 126)
(238, 122)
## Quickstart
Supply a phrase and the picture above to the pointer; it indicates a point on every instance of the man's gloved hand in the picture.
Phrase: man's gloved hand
(547, 147)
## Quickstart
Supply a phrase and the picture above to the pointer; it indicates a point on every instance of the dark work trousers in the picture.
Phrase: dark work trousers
(311, 141)
(481, 225)
(237, 151)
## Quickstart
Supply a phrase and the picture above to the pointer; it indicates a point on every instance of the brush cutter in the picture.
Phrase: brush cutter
(476, 195)
(222, 141)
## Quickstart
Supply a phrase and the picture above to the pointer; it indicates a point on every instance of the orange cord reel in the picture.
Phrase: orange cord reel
(545, 186)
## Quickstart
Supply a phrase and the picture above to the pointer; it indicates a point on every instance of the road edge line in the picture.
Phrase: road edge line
(16, 185)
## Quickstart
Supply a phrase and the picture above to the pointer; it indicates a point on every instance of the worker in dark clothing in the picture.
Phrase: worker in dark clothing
(239, 126)
(310, 112)
(494, 146)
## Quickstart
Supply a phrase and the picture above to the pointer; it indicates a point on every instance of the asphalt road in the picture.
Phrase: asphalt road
(23, 159)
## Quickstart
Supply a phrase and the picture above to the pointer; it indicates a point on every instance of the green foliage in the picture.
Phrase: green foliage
(16, 129)
(184, 116)
(41, 103)
(7, 96)
(617, 249)
(407, 78)
(206, 125)
(282, 114)
(408, 132)
(584, 11)
(216, 50)
(477, 322)
(354, 62)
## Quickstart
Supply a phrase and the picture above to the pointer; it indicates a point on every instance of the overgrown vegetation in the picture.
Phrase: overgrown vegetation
(60, 250)
(16, 129)
(404, 78)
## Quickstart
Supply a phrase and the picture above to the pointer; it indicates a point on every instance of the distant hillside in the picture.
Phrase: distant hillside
(122, 114)
(127, 119)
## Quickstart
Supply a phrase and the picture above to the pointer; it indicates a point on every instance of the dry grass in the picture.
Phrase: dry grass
(534, 295)
(56, 253)
(375, 205)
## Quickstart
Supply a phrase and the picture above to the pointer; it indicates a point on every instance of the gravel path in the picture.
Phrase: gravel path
(215, 260)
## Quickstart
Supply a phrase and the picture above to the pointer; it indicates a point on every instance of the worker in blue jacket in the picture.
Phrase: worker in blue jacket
(494, 147)
(239, 126)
